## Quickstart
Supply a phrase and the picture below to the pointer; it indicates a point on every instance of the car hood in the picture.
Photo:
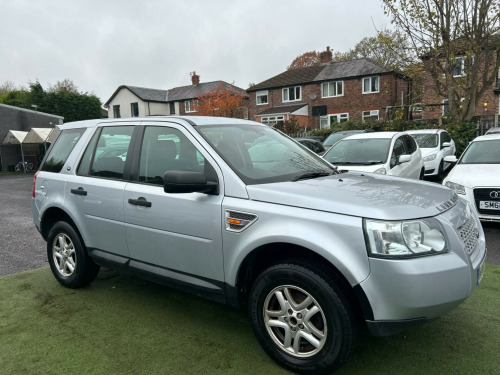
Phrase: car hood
(475, 175)
(356, 194)
(428, 151)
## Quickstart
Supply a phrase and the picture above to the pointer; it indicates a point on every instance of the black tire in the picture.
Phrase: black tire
(440, 172)
(29, 167)
(68, 257)
(333, 318)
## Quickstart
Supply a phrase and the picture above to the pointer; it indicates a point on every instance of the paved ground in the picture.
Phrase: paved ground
(22, 248)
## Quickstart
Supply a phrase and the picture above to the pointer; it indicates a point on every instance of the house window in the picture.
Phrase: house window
(116, 111)
(329, 120)
(262, 97)
(190, 105)
(446, 108)
(134, 109)
(370, 85)
(245, 113)
(292, 94)
(331, 89)
(460, 66)
(370, 115)
(172, 108)
(273, 120)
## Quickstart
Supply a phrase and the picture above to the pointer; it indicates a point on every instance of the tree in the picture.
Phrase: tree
(7, 87)
(223, 101)
(64, 85)
(306, 59)
(457, 42)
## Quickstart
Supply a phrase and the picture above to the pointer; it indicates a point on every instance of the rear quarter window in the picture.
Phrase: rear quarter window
(60, 151)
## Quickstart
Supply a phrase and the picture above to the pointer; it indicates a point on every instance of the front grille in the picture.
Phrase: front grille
(469, 235)
(484, 194)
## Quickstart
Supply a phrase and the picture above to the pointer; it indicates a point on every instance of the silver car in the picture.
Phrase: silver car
(311, 252)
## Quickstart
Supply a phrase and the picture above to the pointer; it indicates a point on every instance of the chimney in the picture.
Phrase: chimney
(326, 56)
(195, 79)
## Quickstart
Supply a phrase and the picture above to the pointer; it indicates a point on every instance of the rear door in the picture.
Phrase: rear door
(177, 236)
(96, 190)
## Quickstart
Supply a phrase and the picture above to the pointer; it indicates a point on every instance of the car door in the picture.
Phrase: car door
(415, 165)
(177, 236)
(96, 190)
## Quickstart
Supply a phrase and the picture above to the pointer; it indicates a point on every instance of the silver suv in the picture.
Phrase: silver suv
(235, 211)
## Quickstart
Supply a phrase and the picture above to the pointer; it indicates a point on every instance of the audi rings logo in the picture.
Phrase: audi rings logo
(495, 194)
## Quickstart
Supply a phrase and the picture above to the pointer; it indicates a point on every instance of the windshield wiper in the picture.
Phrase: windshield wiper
(310, 175)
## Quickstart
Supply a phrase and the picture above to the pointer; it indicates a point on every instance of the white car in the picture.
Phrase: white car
(476, 176)
(435, 144)
(391, 153)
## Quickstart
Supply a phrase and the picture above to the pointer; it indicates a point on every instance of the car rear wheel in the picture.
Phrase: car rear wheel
(301, 318)
(68, 258)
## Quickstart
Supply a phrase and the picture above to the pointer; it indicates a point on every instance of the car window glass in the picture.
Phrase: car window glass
(398, 150)
(165, 149)
(409, 144)
(445, 137)
(426, 140)
(485, 152)
(359, 151)
(61, 150)
(84, 167)
(111, 151)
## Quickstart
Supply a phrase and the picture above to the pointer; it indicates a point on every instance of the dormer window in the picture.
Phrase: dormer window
(292, 94)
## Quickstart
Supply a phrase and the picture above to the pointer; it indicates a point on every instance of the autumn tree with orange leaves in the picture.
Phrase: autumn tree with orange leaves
(223, 101)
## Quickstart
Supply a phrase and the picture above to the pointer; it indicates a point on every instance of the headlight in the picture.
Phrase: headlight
(430, 157)
(459, 189)
(405, 238)
(381, 171)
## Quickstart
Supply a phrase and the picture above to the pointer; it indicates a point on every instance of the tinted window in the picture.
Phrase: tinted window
(410, 144)
(445, 137)
(485, 152)
(165, 149)
(61, 150)
(111, 151)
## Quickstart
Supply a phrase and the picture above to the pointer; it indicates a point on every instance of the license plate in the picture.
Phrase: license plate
(489, 205)
(480, 272)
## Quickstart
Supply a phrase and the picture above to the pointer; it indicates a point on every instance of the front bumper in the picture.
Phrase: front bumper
(403, 293)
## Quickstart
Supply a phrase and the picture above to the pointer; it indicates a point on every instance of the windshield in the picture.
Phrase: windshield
(334, 138)
(485, 152)
(426, 140)
(260, 154)
(359, 151)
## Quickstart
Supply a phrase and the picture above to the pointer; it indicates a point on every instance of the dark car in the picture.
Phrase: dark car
(312, 144)
(341, 134)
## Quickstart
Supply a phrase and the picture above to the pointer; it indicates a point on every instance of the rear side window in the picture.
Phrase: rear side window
(61, 150)
(410, 144)
(106, 153)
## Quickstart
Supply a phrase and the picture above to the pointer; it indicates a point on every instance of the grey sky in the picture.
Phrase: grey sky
(101, 45)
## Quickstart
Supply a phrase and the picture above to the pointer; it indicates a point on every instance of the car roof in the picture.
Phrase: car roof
(424, 131)
(493, 130)
(379, 135)
(353, 131)
(487, 137)
(193, 120)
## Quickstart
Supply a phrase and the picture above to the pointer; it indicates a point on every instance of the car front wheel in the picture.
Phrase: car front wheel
(301, 318)
(68, 258)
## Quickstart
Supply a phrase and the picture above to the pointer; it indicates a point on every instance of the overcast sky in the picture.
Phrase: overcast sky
(100, 45)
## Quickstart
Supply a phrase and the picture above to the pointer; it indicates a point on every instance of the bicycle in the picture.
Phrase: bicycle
(24, 165)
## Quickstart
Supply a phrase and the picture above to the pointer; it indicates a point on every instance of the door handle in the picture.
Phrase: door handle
(79, 191)
(141, 201)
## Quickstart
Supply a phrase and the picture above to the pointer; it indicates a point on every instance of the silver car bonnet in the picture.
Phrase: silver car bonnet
(362, 195)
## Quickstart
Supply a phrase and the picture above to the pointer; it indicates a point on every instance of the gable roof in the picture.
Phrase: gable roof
(334, 70)
(175, 94)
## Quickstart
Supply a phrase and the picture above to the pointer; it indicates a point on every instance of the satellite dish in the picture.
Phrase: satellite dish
(312, 96)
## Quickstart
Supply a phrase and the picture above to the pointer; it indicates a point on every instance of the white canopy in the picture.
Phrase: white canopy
(37, 135)
(14, 137)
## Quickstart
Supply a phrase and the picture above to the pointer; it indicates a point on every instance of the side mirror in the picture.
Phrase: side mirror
(404, 159)
(446, 144)
(450, 159)
(177, 182)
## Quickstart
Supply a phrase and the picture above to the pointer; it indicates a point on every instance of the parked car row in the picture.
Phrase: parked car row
(429, 153)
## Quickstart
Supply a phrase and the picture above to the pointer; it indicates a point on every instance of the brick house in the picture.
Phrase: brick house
(318, 96)
(131, 101)
(434, 105)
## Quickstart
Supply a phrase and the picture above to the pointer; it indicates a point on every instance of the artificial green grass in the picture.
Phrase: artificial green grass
(123, 325)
